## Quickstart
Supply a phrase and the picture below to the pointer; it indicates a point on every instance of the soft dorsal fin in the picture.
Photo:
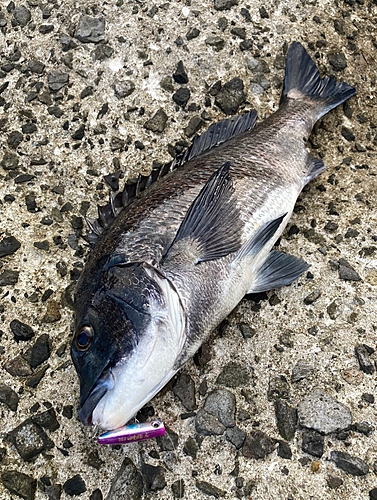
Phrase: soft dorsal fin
(217, 134)
(211, 228)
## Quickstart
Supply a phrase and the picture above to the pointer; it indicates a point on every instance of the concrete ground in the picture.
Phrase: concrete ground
(75, 99)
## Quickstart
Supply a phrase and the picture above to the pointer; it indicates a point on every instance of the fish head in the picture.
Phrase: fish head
(128, 337)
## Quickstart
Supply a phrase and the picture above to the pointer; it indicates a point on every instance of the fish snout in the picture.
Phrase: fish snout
(104, 384)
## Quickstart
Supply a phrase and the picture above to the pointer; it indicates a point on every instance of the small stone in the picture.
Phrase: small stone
(258, 445)
(74, 486)
(313, 443)
(57, 80)
(231, 96)
(365, 363)
(303, 369)
(53, 313)
(239, 32)
(235, 436)
(368, 398)
(234, 375)
(94, 460)
(91, 29)
(44, 29)
(246, 331)
(178, 488)
(347, 272)
(216, 42)
(36, 66)
(194, 125)
(127, 483)
(312, 297)
(116, 143)
(22, 15)
(86, 92)
(14, 139)
(363, 428)
(284, 450)
(96, 495)
(9, 278)
(41, 350)
(263, 13)
(154, 477)
(208, 488)
(192, 33)
(47, 420)
(169, 441)
(19, 484)
(34, 380)
(334, 482)
(29, 439)
(78, 135)
(347, 134)
(184, 389)
(182, 96)
(18, 367)
(9, 162)
(113, 180)
(102, 52)
(21, 331)
(158, 121)
(373, 494)
(123, 88)
(224, 4)
(9, 397)
(67, 42)
(8, 246)
(321, 412)
(207, 424)
(286, 419)
(338, 61)
(191, 447)
(352, 465)
(278, 388)
(222, 404)
(180, 75)
(333, 309)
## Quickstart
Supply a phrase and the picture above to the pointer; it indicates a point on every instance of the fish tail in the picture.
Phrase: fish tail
(302, 80)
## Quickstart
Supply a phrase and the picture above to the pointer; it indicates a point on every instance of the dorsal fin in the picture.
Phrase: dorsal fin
(216, 134)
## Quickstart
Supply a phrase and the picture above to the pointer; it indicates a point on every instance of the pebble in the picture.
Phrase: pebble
(113, 180)
(96, 495)
(209, 489)
(231, 96)
(312, 297)
(278, 388)
(347, 272)
(321, 412)
(180, 75)
(373, 494)
(246, 331)
(20, 484)
(313, 443)
(224, 4)
(74, 486)
(338, 61)
(9, 278)
(258, 445)
(286, 419)
(169, 441)
(235, 436)
(9, 246)
(303, 369)
(178, 489)
(194, 125)
(217, 414)
(41, 350)
(53, 313)
(127, 483)
(18, 367)
(334, 482)
(154, 477)
(91, 29)
(47, 420)
(365, 363)
(57, 80)
(9, 162)
(347, 134)
(21, 331)
(234, 375)
(192, 33)
(284, 451)
(158, 121)
(9, 397)
(22, 15)
(34, 380)
(216, 42)
(191, 447)
(352, 465)
(29, 439)
(66, 42)
(182, 96)
(184, 389)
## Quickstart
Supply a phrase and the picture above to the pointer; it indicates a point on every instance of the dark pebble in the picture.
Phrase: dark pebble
(284, 451)
(286, 419)
(102, 52)
(209, 489)
(67, 411)
(23, 178)
(192, 33)
(116, 143)
(263, 13)
(184, 389)
(246, 330)
(303, 369)
(47, 420)
(86, 92)
(9, 278)
(91, 29)
(235, 436)
(154, 477)
(55, 111)
(180, 75)
(169, 441)
(96, 495)
(217, 413)
(334, 482)
(338, 61)
(21, 331)
(66, 42)
(231, 96)
(93, 458)
(34, 380)
(313, 443)
(14, 139)
(234, 375)
(113, 180)
(29, 439)
(20, 484)
(78, 135)
(42, 245)
(57, 80)
(224, 4)
(45, 28)
(278, 388)
(123, 88)
(191, 447)
(194, 125)
(36, 66)
(352, 465)
(348, 273)
(363, 428)
(368, 398)
(239, 32)
(9, 397)
(373, 494)
(22, 15)
(258, 445)
(347, 134)
(9, 161)
(74, 486)
(182, 96)
(31, 203)
(365, 363)
(18, 367)
(41, 350)
(158, 121)
(178, 488)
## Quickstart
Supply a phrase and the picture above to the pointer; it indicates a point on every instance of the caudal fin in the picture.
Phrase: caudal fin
(302, 78)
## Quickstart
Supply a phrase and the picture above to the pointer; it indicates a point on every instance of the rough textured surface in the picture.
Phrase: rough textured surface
(86, 92)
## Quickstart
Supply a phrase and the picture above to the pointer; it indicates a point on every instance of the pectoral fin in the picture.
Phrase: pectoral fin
(211, 228)
(280, 269)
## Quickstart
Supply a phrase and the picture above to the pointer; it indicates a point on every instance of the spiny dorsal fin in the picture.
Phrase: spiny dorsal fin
(211, 228)
(216, 134)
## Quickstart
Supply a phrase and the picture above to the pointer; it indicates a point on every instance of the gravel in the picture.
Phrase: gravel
(127, 482)
(351, 465)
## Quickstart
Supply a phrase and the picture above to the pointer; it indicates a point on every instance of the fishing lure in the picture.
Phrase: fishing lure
(133, 433)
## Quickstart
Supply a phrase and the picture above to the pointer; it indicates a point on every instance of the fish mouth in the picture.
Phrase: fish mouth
(104, 384)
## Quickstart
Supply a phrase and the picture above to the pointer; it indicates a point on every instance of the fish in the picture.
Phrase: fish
(175, 252)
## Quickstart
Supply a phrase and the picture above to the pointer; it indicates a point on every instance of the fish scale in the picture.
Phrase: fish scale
(190, 241)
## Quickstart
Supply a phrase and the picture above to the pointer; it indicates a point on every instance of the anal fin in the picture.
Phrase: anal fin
(279, 269)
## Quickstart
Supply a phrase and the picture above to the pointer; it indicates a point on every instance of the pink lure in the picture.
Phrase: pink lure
(133, 433)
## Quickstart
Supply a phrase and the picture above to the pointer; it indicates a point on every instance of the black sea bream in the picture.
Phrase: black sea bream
(175, 253)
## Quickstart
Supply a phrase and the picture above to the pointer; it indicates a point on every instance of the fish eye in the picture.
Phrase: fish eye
(84, 338)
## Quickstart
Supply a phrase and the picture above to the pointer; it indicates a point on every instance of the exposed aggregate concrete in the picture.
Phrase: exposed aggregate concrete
(91, 96)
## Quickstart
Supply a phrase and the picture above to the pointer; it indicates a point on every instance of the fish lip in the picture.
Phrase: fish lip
(102, 386)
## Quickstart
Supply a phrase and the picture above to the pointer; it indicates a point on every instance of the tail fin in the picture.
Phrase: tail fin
(302, 78)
